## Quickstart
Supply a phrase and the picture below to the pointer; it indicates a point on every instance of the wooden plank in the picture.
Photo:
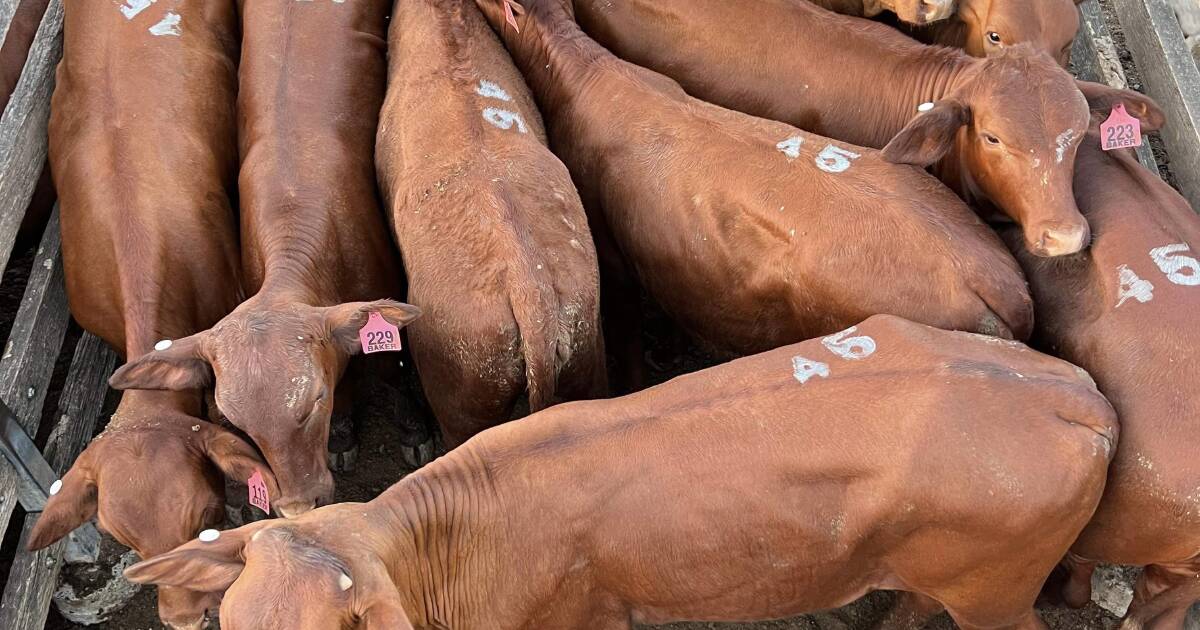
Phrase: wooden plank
(1096, 59)
(8, 8)
(33, 346)
(34, 576)
(1170, 76)
(23, 128)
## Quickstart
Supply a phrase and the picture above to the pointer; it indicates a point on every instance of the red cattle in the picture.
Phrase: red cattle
(1001, 131)
(986, 27)
(143, 147)
(315, 245)
(750, 233)
(909, 11)
(771, 486)
(1126, 311)
(495, 240)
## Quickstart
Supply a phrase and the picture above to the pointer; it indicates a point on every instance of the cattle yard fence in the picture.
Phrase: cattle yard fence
(38, 338)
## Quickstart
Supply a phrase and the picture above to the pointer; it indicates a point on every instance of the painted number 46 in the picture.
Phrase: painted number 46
(1179, 268)
(842, 345)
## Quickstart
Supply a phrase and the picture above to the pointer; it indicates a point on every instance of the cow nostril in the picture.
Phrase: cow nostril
(1064, 241)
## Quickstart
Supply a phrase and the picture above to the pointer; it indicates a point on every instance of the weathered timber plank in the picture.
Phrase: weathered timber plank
(8, 8)
(1170, 76)
(34, 575)
(23, 128)
(33, 346)
(1096, 59)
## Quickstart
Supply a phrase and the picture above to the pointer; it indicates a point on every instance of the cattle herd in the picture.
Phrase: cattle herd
(248, 185)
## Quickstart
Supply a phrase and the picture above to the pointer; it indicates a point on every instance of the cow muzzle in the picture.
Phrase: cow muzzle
(1061, 241)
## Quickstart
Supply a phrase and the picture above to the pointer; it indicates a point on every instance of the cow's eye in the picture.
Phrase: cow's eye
(994, 37)
(990, 139)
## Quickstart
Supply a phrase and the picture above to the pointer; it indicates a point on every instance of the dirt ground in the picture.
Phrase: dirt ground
(380, 464)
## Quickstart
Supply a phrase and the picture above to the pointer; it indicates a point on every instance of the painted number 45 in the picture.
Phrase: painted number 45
(842, 345)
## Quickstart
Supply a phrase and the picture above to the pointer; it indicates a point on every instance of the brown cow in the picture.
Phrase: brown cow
(750, 233)
(143, 145)
(764, 488)
(909, 11)
(986, 27)
(1127, 312)
(495, 241)
(1001, 130)
(315, 245)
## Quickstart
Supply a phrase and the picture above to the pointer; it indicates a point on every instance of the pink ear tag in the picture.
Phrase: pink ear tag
(259, 497)
(1121, 130)
(378, 335)
(509, 17)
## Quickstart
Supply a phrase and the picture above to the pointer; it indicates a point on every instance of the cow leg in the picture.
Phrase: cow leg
(1028, 621)
(1163, 596)
(343, 441)
(911, 611)
(394, 394)
(622, 319)
(1077, 591)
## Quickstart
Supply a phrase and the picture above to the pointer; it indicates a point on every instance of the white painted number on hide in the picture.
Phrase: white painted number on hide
(852, 348)
(1174, 264)
(504, 119)
(487, 89)
(133, 7)
(168, 26)
(501, 118)
(1133, 287)
(842, 345)
(833, 159)
(791, 147)
(804, 369)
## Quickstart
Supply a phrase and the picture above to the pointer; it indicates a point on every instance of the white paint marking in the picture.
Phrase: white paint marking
(833, 159)
(56, 487)
(1133, 287)
(168, 26)
(1173, 265)
(133, 7)
(791, 148)
(924, 107)
(804, 369)
(163, 345)
(209, 535)
(504, 119)
(852, 348)
(1062, 143)
(491, 90)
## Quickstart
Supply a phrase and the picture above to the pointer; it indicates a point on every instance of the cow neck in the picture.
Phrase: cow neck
(140, 404)
(441, 524)
(294, 279)
(552, 52)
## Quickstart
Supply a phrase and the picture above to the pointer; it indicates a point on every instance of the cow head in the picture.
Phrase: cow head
(915, 11)
(298, 575)
(275, 368)
(153, 482)
(1014, 123)
(992, 25)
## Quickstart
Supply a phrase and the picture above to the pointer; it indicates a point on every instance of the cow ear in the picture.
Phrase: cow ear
(236, 458)
(345, 320)
(73, 505)
(928, 137)
(178, 366)
(386, 614)
(1102, 98)
(206, 567)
